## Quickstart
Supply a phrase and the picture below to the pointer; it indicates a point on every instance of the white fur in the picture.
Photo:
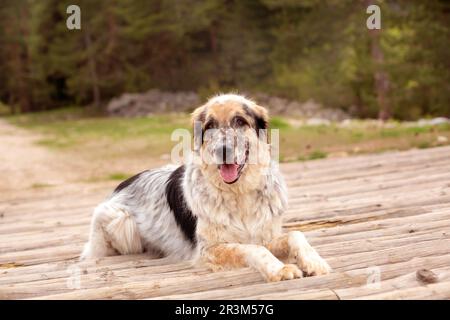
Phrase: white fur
(236, 223)
(223, 98)
(306, 256)
(138, 219)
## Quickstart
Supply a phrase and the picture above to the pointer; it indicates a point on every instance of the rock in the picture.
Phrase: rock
(156, 101)
(152, 102)
(433, 122)
(426, 276)
(346, 123)
(307, 110)
(441, 139)
(318, 122)
(438, 121)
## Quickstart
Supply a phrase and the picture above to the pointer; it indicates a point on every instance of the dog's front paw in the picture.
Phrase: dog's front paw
(313, 264)
(288, 272)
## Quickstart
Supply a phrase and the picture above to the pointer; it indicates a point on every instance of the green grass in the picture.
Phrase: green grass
(112, 176)
(73, 130)
(424, 145)
(279, 123)
(120, 176)
(317, 154)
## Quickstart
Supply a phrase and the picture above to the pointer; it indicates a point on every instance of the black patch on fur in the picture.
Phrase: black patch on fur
(199, 139)
(202, 116)
(260, 122)
(128, 182)
(183, 215)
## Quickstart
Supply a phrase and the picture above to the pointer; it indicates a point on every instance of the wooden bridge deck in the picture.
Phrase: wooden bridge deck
(377, 216)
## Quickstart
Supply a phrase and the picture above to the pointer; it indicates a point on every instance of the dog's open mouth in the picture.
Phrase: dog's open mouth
(230, 173)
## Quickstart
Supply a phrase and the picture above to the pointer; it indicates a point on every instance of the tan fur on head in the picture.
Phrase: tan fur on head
(224, 106)
(242, 116)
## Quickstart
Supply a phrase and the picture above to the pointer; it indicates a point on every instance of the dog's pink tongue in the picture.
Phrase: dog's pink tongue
(229, 172)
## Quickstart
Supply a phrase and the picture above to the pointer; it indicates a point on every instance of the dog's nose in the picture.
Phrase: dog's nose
(224, 154)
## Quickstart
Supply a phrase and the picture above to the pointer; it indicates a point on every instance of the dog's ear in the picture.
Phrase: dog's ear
(197, 121)
(261, 117)
(198, 115)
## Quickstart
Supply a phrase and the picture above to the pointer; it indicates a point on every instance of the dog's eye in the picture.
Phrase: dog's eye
(240, 122)
(210, 125)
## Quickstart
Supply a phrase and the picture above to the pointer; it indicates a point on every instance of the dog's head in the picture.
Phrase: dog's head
(230, 138)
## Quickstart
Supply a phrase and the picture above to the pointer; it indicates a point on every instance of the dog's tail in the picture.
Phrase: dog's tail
(123, 232)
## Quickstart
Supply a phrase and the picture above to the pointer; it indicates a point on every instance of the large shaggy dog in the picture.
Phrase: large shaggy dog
(223, 208)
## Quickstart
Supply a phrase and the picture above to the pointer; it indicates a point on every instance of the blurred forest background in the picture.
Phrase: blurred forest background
(101, 103)
(297, 49)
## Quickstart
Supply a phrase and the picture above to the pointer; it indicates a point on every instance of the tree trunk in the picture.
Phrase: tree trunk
(380, 76)
(18, 61)
(25, 96)
(92, 63)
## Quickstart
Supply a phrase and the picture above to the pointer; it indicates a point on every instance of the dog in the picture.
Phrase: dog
(223, 208)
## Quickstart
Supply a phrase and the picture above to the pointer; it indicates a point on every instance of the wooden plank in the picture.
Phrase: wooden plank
(435, 291)
(389, 211)
(104, 278)
(390, 286)
(356, 172)
(72, 250)
(365, 161)
(333, 281)
(145, 288)
(113, 262)
(348, 279)
(324, 294)
(327, 250)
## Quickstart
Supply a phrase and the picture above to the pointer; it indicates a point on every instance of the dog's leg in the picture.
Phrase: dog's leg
(98, 245)
(112, 231)
(294, 245)
(248, 255)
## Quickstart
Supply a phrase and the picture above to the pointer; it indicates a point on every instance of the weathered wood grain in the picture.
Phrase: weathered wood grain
(386, 213)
